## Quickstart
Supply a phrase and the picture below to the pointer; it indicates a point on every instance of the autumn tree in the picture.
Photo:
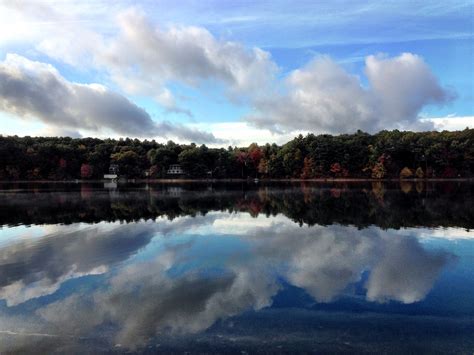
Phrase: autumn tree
(406, 173)
(263, 167)
(382, 155)
(419, 173)
(86, 171)
(242, 159)
(338, 171)
(379, 169)
(308, 168)
(255, 154)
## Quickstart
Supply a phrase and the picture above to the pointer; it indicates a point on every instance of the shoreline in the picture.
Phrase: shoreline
(166, 181)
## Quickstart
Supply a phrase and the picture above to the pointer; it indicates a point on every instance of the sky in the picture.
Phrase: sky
(234, 72)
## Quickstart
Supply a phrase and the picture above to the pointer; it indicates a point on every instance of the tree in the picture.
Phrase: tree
(379, 170)
(192, 161)
(129, 163)
(255, 154)
(86, 171)
(154, 171)
(242, 159)
(336, 169)
(308, 168)
(419, 173)
(263, 167)
(164, 156)
(62, 163)
(406, 173)
(382, 155)
(275, 166)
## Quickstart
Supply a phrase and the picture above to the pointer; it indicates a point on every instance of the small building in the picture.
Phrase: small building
(113, 172)
(175, 169)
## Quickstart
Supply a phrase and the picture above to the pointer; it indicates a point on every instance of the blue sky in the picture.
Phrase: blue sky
(233, 72)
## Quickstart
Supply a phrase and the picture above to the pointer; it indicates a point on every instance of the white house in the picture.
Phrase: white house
(175, 169)
(113, 172)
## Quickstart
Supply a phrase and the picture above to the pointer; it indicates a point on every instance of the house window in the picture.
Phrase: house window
(175, 169)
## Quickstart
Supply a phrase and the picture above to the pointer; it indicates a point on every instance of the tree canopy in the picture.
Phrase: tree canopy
(387, 154)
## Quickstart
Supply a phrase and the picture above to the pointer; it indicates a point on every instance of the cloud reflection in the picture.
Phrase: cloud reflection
(325, 260)
(37, 267)
(215, 280)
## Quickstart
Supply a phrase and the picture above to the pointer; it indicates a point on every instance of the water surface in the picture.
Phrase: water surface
(366, 267)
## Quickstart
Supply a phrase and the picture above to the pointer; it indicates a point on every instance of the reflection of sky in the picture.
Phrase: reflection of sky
(183, 276)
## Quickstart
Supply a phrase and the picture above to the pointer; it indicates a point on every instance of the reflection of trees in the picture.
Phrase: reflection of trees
(387, 205)
(406, 186)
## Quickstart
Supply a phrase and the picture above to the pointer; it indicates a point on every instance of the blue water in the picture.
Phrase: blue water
(236, 269)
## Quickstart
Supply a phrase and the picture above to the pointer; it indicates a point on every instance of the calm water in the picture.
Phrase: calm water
(237, 268)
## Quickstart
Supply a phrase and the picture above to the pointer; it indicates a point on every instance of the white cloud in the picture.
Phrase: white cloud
(323, 97)
(242, 134)
(144, 58)
(406, 273)
(65, 253)
(450, 233)
(323, 261)
(403, 85)
(451, 123)
(35, 90)
(19, 292)
(129, 48)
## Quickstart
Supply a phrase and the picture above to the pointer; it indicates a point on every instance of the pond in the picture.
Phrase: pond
(237, 268)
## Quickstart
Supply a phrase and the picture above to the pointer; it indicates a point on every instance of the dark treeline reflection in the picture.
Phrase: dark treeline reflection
(387, 205)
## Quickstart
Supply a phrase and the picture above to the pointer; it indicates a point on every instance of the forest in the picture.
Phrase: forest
(385, 155)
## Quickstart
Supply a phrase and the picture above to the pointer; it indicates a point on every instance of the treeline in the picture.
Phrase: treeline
(387, 154)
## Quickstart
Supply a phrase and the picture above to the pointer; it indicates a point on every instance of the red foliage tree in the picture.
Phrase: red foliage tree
(86, 171)
(241, 158)
(308, 168)
(62, 163)
(448, 172)
(336, 169)
(255, 155)
(154, 171)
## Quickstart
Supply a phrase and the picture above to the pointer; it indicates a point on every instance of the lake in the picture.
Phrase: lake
(237, 268)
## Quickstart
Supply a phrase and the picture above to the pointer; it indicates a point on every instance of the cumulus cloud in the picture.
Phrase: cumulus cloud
(31, 89)
(451, 122)
(403, 85)
(147, 59)
(323, 97)
(144, 57)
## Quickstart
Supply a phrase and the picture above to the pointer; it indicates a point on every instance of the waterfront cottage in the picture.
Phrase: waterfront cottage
(175, 169)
